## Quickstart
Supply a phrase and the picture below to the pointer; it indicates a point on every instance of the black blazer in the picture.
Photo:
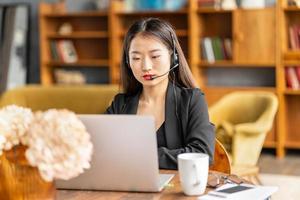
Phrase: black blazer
(191, 131)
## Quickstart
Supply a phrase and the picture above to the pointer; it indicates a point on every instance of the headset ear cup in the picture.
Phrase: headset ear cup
(175, 54)
(176, 60)
(127, 61)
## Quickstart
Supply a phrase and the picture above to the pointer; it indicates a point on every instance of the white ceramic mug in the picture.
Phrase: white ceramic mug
(193, 172)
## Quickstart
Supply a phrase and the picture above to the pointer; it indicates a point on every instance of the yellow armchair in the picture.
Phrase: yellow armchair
(242, 121)
(85, 99)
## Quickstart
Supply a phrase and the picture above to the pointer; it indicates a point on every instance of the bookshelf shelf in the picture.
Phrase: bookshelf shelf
(288, 63)
(151, 13)
(292, 144)
(80, 35)
(291, 9)
(270, 89)
(291, 92)
(80, 63)
(292, 53)
(212, 11)
(77, 14)
(236, 64)
(179, 33)
(269, 144)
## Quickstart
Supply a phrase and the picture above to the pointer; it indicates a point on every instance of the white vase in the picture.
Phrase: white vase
(229, 4)
(252, 4)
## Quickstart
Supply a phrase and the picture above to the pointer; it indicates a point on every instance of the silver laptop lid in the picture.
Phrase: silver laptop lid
(125, 154)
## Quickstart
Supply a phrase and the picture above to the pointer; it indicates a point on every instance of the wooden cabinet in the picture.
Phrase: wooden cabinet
(255, 44)
(260, 51)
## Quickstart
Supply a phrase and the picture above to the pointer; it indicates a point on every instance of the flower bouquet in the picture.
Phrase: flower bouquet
(36, 148)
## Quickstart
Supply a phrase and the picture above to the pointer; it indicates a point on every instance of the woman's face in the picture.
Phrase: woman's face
(148, 57)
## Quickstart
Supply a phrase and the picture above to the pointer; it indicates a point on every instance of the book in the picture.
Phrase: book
(294, 37)
(291, 78)
(209, 3)
(218, 48)
(67, 51)
(54, 54)
(298, 73)
(225, 54)
(209, 49)
(203, 51)
(228, 47)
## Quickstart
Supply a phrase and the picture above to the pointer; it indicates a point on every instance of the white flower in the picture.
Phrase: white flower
(14, 122)
(58, 144)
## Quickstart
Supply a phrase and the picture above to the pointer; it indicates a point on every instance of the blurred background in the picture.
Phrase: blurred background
(241, 47)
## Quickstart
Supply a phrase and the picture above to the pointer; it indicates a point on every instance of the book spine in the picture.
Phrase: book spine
(203, 51)
(298, 73)
(59, 48)
(292, 78)
(209, 48)
(228, 47)
(292, 38)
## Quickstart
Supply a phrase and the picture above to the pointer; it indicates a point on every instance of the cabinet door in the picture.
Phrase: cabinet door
(254, 36)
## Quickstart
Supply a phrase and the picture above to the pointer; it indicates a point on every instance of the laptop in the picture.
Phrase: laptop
(124, 157)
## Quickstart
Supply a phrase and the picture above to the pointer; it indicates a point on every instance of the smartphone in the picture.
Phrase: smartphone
(230, 190)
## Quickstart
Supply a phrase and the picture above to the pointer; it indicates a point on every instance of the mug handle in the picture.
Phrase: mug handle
(197, 168)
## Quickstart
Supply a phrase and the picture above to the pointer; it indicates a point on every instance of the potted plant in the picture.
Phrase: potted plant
(37, 148)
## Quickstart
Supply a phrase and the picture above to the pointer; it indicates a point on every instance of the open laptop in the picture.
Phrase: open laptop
(124, 158)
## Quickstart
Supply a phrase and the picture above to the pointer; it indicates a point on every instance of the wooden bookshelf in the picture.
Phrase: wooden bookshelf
(289, 99)
(252, 49)
(259, 39)
(90, 36)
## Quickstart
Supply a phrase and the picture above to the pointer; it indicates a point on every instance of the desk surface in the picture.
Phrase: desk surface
(172, 192)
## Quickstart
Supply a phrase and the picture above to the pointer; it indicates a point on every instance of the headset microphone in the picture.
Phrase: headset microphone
(154, 77)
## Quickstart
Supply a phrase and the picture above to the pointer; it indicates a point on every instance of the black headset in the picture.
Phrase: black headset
(175, 59)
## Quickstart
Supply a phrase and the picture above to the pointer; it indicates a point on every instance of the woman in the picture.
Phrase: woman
(157, 81)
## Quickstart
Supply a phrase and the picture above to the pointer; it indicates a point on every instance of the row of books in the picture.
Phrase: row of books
(216, 48)
(209, 3)
(294, 32)
(132, 5)
(13, 45)
(233, 4)
(63, 50)
(292, 75)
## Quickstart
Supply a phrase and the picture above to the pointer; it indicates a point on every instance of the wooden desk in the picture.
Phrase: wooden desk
(171, 193)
